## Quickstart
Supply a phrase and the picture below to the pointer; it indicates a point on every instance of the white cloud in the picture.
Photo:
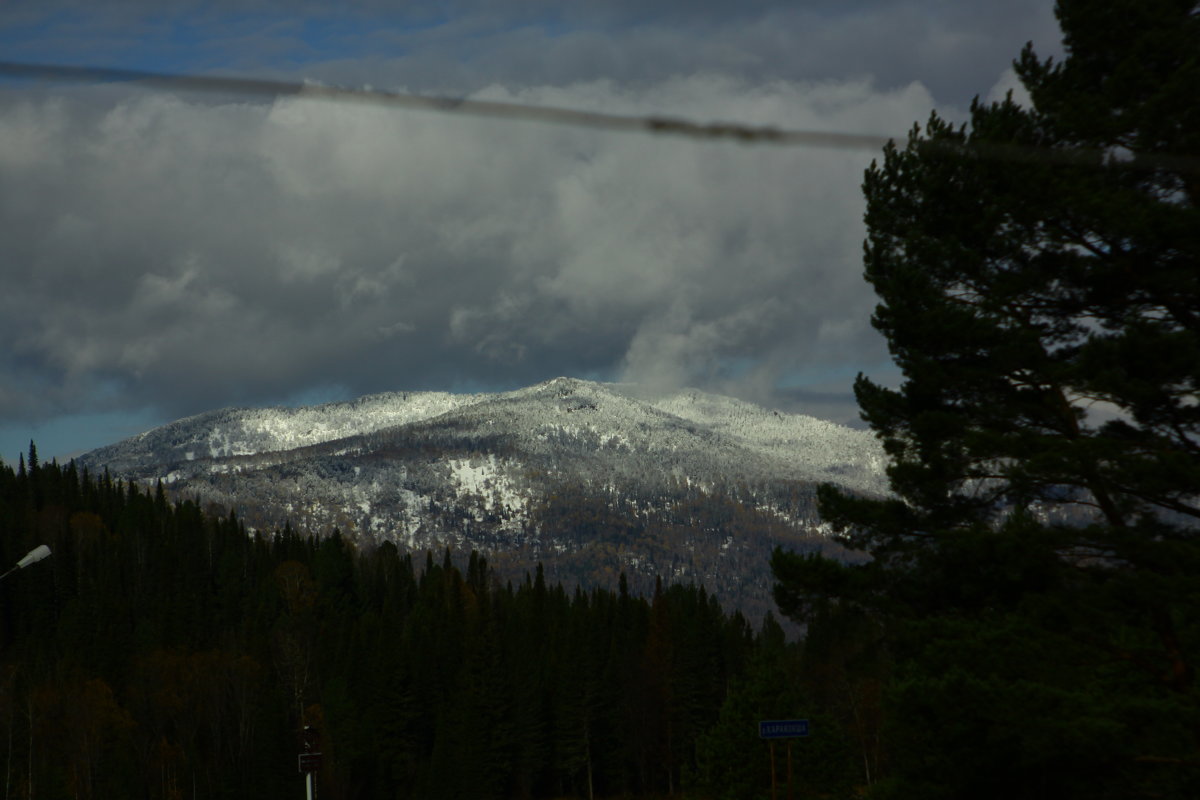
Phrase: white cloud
(195, 254)
(1009, 82)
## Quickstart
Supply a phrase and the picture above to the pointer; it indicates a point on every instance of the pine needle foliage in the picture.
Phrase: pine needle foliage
(1035, 570)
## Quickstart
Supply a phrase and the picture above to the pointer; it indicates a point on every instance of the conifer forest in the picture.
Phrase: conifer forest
(163, 652)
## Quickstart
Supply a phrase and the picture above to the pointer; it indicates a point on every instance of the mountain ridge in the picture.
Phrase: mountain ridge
(281, 428)
(590, 478)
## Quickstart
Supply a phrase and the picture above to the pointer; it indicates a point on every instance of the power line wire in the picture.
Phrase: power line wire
(484, 108)
(748, 134)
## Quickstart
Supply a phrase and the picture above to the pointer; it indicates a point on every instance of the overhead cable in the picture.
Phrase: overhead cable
(474, 107)
(729, 131)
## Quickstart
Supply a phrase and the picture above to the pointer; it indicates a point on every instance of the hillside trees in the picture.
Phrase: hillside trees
(164, 652)
(1035, 571)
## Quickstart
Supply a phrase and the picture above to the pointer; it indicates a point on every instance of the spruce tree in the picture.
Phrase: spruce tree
(1038, 270)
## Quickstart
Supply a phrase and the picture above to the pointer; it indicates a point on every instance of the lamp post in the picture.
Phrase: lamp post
(310, 759)
(33, 556)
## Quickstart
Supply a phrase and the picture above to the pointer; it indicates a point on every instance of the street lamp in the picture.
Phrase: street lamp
(33, 556)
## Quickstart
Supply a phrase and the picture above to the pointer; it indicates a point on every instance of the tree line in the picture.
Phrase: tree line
(163, 652)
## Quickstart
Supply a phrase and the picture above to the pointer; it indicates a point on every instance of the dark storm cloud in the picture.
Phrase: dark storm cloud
(189, 252)
(204, 254)
(955, 48)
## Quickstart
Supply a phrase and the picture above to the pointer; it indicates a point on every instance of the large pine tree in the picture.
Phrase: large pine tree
(1038, 564)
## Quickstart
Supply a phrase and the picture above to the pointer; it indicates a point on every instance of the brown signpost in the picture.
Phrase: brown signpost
(789, 729)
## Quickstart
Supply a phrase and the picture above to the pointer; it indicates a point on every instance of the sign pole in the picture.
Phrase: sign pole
(789, 756)
(772, 746)
(310, 759)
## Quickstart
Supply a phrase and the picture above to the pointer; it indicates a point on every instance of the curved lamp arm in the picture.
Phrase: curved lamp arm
(33, 556)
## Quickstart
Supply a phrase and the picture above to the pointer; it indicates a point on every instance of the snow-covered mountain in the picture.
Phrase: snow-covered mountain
(589, 478)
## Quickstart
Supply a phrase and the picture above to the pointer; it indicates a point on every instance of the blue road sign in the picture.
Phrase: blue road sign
(782, 728)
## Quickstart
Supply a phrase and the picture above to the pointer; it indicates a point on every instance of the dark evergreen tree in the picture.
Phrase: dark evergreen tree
(1039, 277)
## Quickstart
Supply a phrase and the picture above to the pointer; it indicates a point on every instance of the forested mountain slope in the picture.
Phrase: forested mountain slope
(591, 479)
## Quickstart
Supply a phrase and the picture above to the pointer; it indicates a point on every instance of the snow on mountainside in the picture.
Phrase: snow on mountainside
(617, 416)
(840, 454)
(590, 478)
(248, 431)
